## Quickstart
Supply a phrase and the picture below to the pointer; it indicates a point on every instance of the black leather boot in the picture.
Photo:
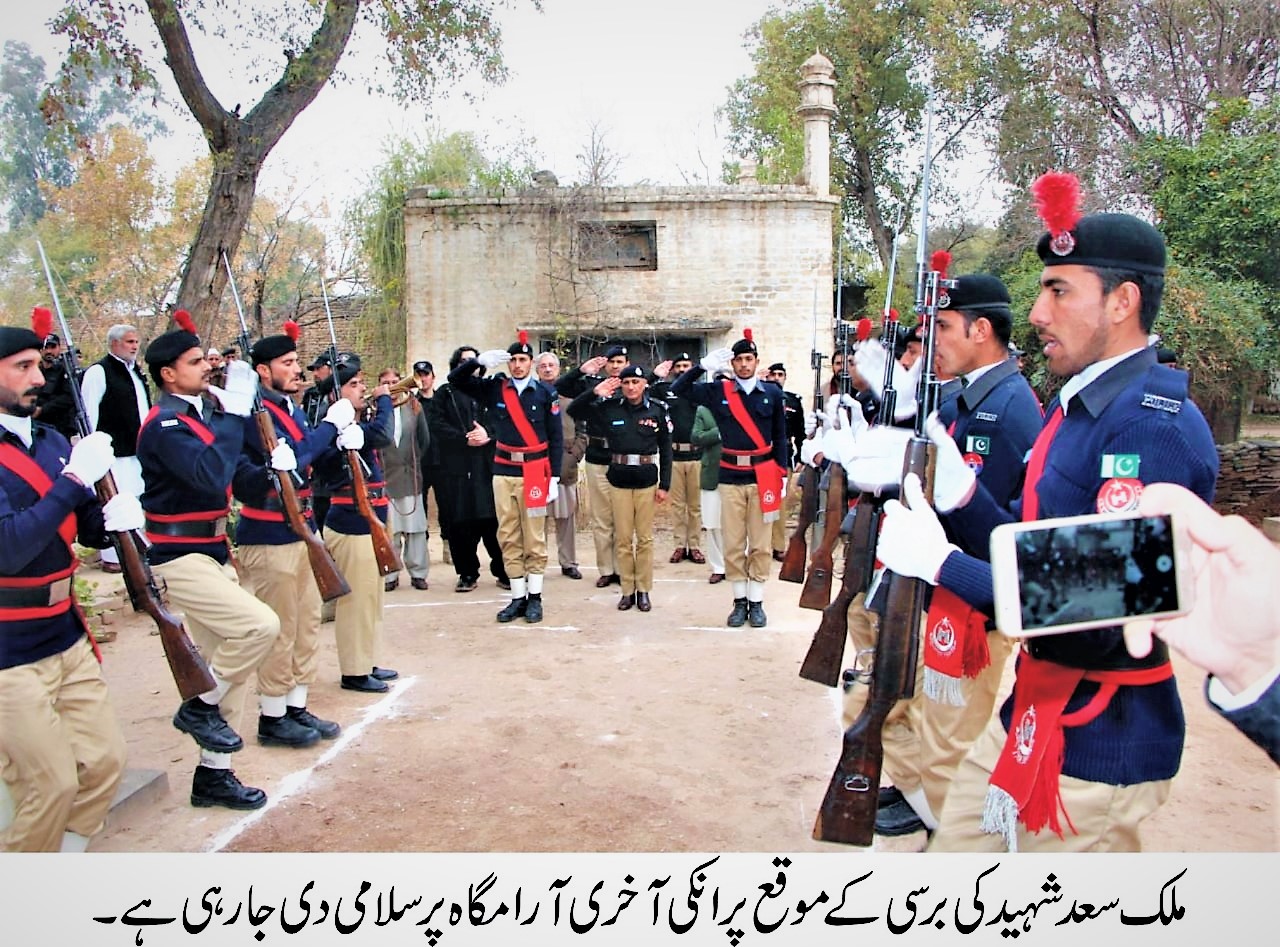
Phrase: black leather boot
(738, 617)
(533, 609)
(219, 787)
(285, 731)
(515, 609)
(203, 723)
(755, 614)
(327, 729)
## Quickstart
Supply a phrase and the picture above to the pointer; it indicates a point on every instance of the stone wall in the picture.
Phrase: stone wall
(482, 264)
(1248, 470)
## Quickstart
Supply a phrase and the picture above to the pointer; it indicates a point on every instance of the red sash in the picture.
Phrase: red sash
(285, 419)
(22, 464)
(1035, 465)
(769, 475)
(955, 646)
(535, 473)
(1025, 778)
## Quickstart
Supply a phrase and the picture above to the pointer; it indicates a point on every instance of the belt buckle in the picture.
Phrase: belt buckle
(517, 456)
(60, 591)
(633, 460)
(220, 526)
(742, 460)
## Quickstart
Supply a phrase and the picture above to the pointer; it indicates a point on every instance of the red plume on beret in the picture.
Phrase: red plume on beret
(41, 322)
(940, 260)
(864, 329)
(746, 334)
(184, 321)
(1057, 199)
(893, 315)
(523, 337)
(292, 329)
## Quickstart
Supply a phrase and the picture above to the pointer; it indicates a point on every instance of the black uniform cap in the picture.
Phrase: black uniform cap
(321, 360)
(1109, 241)
(423, 368)
(777, 367)
(614, 351)
(979, 294)
(745, 345)
(15, 339)
(631, 371)
(347, 368)
(682, 357)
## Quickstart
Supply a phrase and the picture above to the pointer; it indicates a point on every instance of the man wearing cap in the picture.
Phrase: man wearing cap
(116, 399)
(583, 378)
(993, 419)
(793, 406)
(686, 466)
(639, 436)
(1088, 742)
(425, 375)
(274, 560)
(526, 416)
(314, 410)
(218, 372)
(753, 467)
(565, 507)
(189, 447)
(347, 534)
(55, 405)
(60, 745)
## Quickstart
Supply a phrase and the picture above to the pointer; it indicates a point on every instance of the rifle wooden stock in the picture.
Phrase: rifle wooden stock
(388, 560)
(816, 593)
(822, 662)
(848, 810)
(329, 579)
(188, 667)
(792, 569)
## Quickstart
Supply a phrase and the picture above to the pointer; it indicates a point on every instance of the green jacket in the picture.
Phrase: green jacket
(707, 436)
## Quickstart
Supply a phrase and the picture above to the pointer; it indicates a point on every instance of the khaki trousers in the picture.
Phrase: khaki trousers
(633, 517)
(746, 534)
(357, 616)
(61, 749)
(686, 503)
(901, 733)
(1106, 817)
(598, 491)
(281, 577)
(233, 630)
(523, 538)
(947, 732)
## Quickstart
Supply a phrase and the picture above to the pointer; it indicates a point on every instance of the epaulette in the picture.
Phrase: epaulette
(1164, 389)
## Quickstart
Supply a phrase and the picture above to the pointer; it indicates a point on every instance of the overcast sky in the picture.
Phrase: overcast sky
(652, 74)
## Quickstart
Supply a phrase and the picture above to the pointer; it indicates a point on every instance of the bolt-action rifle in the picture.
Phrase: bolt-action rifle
(190, 671)
(329, 578)
(793, 561)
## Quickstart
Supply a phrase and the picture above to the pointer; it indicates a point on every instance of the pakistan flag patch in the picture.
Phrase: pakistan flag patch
(1120, 465)
(977, 444)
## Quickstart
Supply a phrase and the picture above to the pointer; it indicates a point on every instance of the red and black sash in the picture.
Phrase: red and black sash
(1035, 465)
(769, 475)
(273, 511)
(206, 437)
(536, 473)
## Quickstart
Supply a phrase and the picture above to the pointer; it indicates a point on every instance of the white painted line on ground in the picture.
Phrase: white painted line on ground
(296, 781)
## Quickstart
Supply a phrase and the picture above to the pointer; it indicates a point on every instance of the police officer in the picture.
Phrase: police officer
(56, 404)
(686, 470)
(526, 415)
(189, 447)
(753, 467)
(639, 435)
(62, 748)
(320, 370)
(1113, 722)
(583, 378)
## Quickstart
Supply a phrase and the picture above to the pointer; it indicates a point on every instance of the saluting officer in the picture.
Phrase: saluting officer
(189, 447)
(753, 468)
(639, 435)
(1089, 731)
(526, 415)
(583, 378)
(686, 465)
(274, 558)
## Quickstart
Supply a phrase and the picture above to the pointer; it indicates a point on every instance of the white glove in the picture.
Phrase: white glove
(553, 490)
(341, 414)
(912, 542)
(91, 458)
(351, 438)
(242, 385)
(840, 441)
(815, 421)
(869, 359)
(493, 358)
(283, 457)
(876, 460)
(953, 479)
(811, 448)
(716, 360)
(122, 513)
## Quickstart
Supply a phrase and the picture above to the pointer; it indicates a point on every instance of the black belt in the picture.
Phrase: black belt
(633, 460)
(374, 493)
(274, 504)
(744, 460)
(191, 529)
(36, 596)
(519, 456)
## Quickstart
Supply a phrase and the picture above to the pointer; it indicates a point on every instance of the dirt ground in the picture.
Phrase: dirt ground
(594, 731)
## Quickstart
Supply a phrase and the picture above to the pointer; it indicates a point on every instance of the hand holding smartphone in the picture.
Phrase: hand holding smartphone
(1097, 571)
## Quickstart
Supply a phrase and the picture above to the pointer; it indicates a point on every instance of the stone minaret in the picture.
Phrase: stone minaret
(817, 105)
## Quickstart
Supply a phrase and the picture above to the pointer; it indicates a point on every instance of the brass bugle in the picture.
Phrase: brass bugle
(400, 392)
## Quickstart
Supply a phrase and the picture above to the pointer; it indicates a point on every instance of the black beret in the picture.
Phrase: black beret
(347, 368)
(522, 347)
(14, 339)
(682, 357)
(631, 371)
(271, 347)
(978, 294)
(423, 368)
(614, 351)
(745, 347)
(321, 360)
(902, 335)
(168, 348)
(777, 367)
(1114, 241)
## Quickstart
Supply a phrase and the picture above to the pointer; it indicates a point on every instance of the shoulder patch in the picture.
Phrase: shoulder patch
(985, 416)
(1161, 403)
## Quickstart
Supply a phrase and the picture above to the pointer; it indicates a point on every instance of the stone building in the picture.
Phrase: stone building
(661, 268)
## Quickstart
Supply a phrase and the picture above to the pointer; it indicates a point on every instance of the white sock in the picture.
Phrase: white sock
(215, 696)
(739, 589)
(215, 760)
(920, 802)
(297, 696)
(271, 706)
(518, 587)
(74, 842)
(755, 591)
(535, 583)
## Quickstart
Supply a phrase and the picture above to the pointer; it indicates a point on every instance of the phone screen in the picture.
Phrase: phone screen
(1096, 572)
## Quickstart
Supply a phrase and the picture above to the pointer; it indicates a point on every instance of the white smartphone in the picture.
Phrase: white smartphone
(1077, 572)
